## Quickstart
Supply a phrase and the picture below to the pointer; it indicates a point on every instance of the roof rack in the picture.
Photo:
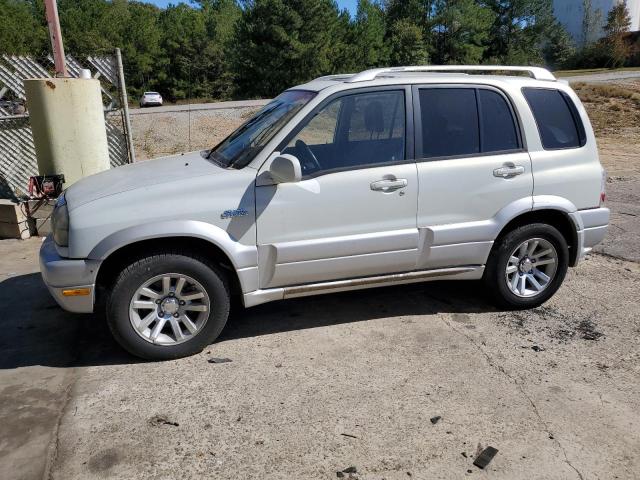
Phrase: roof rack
(535, 72)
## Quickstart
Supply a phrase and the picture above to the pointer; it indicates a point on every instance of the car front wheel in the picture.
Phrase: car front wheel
(527, 266)
(167, 306)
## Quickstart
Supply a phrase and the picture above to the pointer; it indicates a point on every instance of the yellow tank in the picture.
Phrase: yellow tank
(67, 121)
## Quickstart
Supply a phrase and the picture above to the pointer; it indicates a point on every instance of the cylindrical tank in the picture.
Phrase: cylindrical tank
(67, 122)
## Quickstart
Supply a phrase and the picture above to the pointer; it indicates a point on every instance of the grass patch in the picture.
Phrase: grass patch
(613, 109)
(589, 92)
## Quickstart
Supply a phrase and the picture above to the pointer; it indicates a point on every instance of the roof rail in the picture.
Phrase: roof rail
(536, 72)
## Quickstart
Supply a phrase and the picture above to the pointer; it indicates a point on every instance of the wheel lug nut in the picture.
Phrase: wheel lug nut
(171, 294)
(176, 315)
(158, 302)
(182, 302)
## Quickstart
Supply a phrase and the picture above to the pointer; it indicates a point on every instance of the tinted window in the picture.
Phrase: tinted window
(379, 116)
(449, 122)
(496, 123)
(352, 131)
(239, 148)
(557, 119)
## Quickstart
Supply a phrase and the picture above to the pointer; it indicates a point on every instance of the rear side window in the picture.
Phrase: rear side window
(558, 121)
(465, 122)
(498, 128)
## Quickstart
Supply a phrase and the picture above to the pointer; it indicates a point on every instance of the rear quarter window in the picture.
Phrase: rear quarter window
(559, 123)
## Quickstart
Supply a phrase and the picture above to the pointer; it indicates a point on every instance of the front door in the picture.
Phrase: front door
(471, 165)
(354, 212)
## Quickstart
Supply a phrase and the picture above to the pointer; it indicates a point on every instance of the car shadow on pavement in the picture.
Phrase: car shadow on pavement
(38, 332)
(428, 298)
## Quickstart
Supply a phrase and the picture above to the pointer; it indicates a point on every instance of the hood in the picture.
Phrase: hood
(141, 175)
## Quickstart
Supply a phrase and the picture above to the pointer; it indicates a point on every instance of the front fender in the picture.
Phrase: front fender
(241, 256)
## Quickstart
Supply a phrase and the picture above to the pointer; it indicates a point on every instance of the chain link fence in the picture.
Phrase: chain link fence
(17, 152)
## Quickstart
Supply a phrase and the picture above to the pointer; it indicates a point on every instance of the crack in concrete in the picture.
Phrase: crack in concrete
(614, 257)
(52, 450)
(520, 387)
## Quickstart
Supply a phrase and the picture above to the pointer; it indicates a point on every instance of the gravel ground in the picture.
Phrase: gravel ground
(356, 379)
(208, 128)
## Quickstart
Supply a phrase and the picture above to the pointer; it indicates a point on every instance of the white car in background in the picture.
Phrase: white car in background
(149, 99)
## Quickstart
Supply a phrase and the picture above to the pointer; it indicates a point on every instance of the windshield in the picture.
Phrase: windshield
(239, 148)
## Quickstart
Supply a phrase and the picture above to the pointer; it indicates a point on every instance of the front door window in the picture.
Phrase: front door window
(353, 131)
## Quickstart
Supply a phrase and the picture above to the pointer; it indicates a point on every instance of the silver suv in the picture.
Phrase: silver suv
(389, 176)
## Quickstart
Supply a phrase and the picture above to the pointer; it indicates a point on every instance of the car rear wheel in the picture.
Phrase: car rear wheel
(527, 266)
(167, 306)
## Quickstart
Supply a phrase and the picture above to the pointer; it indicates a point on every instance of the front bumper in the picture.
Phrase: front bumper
(63, 274)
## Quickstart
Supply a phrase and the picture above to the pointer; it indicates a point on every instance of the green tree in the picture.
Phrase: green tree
(418, 11)
(462, 29)
(183, 45)
(281, 43)
(559, 49)
(591, 21)
(618, 25)
(519, 31)
(407, 46)
(369, 31)
(21, 31)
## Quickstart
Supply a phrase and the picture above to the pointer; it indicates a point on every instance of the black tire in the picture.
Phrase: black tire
(494, 275)
(209, 276)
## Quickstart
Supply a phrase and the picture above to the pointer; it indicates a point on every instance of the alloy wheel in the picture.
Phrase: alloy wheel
(531, 267)
(169, 309)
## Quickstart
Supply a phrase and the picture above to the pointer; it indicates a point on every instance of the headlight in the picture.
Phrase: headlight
(60, 222)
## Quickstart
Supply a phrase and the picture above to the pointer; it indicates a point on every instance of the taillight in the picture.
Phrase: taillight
(603, 188)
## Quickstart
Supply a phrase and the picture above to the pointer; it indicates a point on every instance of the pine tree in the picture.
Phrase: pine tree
(591, 21)
(369, 30)
(407, 46)
(520, 30)
(462, 29)
(280, 43)
(618, 24)
(559, 48)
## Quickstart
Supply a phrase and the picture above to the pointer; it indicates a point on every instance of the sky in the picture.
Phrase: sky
(348, 4)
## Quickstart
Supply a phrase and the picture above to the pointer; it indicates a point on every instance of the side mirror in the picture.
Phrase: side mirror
(285, 169)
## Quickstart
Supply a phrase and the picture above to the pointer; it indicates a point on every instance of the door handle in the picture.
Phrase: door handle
(387, 186)
(508, 170)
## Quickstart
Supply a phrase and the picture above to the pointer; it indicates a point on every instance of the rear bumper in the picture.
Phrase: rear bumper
(592, 228)
(63, 274)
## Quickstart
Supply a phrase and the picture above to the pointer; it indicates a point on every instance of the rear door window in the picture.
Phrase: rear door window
(461, 122)
(449, 122)
(558, 121)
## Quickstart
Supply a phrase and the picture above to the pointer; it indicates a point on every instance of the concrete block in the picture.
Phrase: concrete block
(39, 209)
(13, 222)
(42, 226)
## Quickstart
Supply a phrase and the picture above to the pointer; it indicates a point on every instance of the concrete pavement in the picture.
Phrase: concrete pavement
(603, 77)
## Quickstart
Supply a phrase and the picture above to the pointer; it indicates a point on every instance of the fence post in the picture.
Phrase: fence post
(125, 106)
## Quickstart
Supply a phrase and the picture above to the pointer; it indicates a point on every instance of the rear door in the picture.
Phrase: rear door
(471, 164)
(354, 212)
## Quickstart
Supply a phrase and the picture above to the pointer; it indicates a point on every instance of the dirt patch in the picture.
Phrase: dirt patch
(614, 109)
(552, 325)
